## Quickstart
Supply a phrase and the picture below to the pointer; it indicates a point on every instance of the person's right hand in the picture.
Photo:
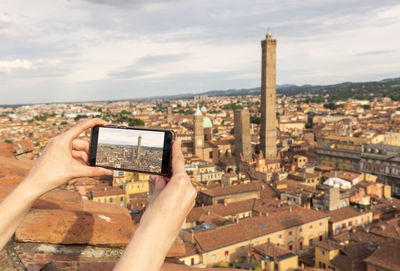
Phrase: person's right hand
(172, 198)
(170, 203)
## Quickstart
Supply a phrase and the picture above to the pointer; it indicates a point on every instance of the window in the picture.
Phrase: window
(213, 257)
(290, 247)
(290, 233)
(310, 227)
(301, 245)
(343, 226)
(226, 252)
(350, 223)
(111, 200)
(320, 225)
(301, 230)
(311, 242)
(322, 252)
(280, 236)
(241, 249)
(192, 261)
(121, 198)
(210, 154)
(268, 240)
(320, 237)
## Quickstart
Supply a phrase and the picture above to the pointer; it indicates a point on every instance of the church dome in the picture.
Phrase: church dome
(207, 123)
(203, 109)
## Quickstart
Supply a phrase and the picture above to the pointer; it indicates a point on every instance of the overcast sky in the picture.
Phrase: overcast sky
(59, 50)
(130, 137)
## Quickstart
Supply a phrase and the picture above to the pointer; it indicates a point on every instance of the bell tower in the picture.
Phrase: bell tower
(198, 135)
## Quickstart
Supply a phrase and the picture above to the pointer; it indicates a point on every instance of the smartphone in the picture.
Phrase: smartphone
(131, 149)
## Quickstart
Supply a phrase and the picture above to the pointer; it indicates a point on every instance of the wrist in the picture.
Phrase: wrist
(28, 190)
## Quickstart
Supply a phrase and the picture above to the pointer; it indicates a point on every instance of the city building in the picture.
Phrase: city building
(384, 162)
(271, 257)
(340, 152)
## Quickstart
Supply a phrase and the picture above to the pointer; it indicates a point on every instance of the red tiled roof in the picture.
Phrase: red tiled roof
(284, 217)
(232, 189)
(386, 256)
(344, 213)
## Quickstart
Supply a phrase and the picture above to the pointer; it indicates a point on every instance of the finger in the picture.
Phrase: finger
(72, 133)
(86, 171)
(81, 155)
(81, 145)
(159, 184)
(178, 161)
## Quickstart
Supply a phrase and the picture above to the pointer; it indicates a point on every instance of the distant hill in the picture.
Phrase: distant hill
(358, 90)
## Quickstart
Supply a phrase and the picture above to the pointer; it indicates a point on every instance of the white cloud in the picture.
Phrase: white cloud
(9, 66)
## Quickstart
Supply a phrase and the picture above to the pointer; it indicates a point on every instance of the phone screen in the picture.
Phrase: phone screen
(131, 149)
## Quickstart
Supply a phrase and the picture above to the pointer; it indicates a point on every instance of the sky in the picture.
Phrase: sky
(80, 50)
(130, 137)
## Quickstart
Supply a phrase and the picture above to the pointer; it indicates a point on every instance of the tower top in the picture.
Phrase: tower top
(269, 33)
(198, 112)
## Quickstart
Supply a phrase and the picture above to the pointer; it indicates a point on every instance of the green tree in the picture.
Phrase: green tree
(135, 122)
(8, 141)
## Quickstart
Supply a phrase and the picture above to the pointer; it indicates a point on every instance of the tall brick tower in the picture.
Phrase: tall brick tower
(268, 98)
(242, 136)
(198, 138)
(139, 144)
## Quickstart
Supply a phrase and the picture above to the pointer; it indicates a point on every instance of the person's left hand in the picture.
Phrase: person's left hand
(64, 158)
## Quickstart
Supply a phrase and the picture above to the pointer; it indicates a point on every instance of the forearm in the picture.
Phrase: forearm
(14, 208)
(150, 243)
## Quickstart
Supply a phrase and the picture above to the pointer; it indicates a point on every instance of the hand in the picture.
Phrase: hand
(172, 198)
(177, 193)
(63, 160)
(170, 203)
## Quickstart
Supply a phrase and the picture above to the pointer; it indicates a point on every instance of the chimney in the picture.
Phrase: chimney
(192, 235)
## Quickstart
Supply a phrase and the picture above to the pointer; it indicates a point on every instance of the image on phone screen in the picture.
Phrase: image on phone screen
(130, 149)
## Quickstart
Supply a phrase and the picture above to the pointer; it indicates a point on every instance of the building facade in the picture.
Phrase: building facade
(383, 161)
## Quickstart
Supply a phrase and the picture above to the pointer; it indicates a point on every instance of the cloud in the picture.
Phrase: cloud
(129, 3)
(158, 59)
(9, 66)
(126, 49)
(372, 53)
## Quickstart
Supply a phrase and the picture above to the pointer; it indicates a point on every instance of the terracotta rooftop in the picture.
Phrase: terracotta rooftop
(386, 256)
(109, 191)
(252, 227)
(271, 250)
(388, 228)
(344, 213)
(328, 244)
(229, 209)
(232, 189)
(13, 171)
